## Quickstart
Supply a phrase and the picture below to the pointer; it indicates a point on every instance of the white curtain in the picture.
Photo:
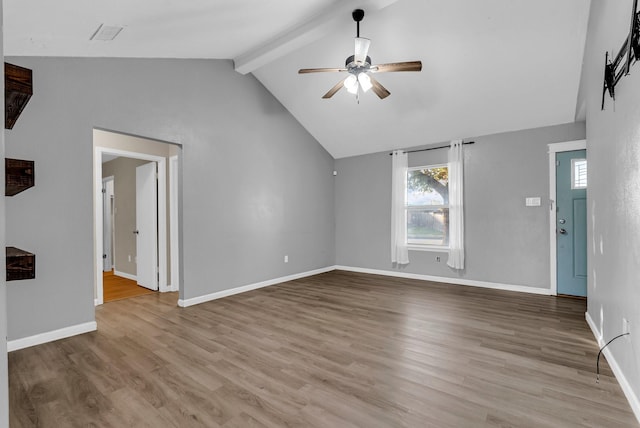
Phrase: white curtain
(456, 209)
(399, 250)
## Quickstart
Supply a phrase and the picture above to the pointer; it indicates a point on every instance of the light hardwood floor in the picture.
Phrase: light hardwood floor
(334, 350)
(117, 288)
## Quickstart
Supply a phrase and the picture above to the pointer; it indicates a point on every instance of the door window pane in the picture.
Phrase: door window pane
(578, 173)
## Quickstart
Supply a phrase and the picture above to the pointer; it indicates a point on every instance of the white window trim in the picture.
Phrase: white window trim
(431, 248)
(427, 247)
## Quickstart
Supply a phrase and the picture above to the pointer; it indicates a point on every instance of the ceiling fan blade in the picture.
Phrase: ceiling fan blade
(397, 66)
(320, 70)
(361, 50)
(379, 90)
(335, 89)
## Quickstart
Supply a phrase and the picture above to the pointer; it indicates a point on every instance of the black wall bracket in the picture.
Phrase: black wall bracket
(628, 54)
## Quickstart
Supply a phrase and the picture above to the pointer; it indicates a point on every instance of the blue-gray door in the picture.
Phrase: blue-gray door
(571, 222)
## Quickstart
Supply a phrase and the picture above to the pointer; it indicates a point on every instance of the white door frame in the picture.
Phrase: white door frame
(98, 151)
(555, 148)
(106, 197)
(173, 223)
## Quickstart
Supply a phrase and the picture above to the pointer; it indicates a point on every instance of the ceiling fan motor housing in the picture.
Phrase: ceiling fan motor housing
(353, 67)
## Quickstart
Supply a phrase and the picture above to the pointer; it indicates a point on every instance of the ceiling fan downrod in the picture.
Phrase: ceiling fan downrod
(357, 15)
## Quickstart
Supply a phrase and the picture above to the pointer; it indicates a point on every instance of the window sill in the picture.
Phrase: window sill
(428, 248)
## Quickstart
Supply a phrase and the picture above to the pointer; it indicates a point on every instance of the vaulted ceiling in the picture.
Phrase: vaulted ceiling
(489, 66)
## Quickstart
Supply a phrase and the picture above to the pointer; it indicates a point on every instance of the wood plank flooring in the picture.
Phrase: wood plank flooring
(334, 350)
(118, 288)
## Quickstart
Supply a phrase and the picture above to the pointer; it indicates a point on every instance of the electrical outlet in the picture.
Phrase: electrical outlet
(286, 259)
(438, 259)
(129, 257)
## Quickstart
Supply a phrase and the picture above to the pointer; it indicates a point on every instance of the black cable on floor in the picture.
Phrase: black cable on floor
(600, 353)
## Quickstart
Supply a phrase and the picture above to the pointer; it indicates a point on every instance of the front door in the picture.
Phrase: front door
(571, 222)
(147, 226)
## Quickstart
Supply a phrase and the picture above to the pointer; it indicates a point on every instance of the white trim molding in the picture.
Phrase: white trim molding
(174, 223)
(125, 275)
(50, 336)
(447, 280)
(553, 150)
(457, 281)
(230, 292)
(634, 400)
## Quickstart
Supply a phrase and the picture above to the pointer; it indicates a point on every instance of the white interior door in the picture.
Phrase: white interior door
(147, 226)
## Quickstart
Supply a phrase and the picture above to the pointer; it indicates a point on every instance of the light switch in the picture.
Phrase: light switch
(532, 202)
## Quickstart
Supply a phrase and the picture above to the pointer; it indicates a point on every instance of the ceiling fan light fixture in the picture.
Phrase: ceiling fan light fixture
(365, 81)
(351, 84)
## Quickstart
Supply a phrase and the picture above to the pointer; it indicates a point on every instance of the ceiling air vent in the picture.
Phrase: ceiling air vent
(106, 32)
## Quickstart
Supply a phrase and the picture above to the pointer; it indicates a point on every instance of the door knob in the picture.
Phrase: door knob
(136, 232)
(562, 231)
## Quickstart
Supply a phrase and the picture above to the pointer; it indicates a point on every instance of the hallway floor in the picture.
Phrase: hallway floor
(118, 288)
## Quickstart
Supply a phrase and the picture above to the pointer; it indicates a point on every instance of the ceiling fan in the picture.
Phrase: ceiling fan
(359, 67)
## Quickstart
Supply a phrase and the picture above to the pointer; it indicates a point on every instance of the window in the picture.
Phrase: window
(578, 173)
(427, 207)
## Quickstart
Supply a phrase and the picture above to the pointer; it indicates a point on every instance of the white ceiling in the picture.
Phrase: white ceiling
(152, 28)
(489, 66)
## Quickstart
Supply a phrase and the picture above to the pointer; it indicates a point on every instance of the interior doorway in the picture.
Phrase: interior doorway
(158, 234)
(568, 218)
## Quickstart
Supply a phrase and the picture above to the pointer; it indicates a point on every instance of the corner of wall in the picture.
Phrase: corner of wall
(4, 374)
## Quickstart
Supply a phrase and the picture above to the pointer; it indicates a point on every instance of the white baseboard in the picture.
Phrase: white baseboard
(125, 275)
(224, 293)
(634, 400)
(50, 336)
(457, 281)
(594, 329)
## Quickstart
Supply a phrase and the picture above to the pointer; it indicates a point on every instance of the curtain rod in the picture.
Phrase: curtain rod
(433, 148)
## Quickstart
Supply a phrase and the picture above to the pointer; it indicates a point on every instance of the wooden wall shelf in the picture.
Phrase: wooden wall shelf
(18, 88)
(20, 264)
(19, 176)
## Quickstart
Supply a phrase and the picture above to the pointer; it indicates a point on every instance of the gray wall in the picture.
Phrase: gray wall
(613, 150)
(255, 184)
(506, 242)
(123, 171)
(4, 378)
